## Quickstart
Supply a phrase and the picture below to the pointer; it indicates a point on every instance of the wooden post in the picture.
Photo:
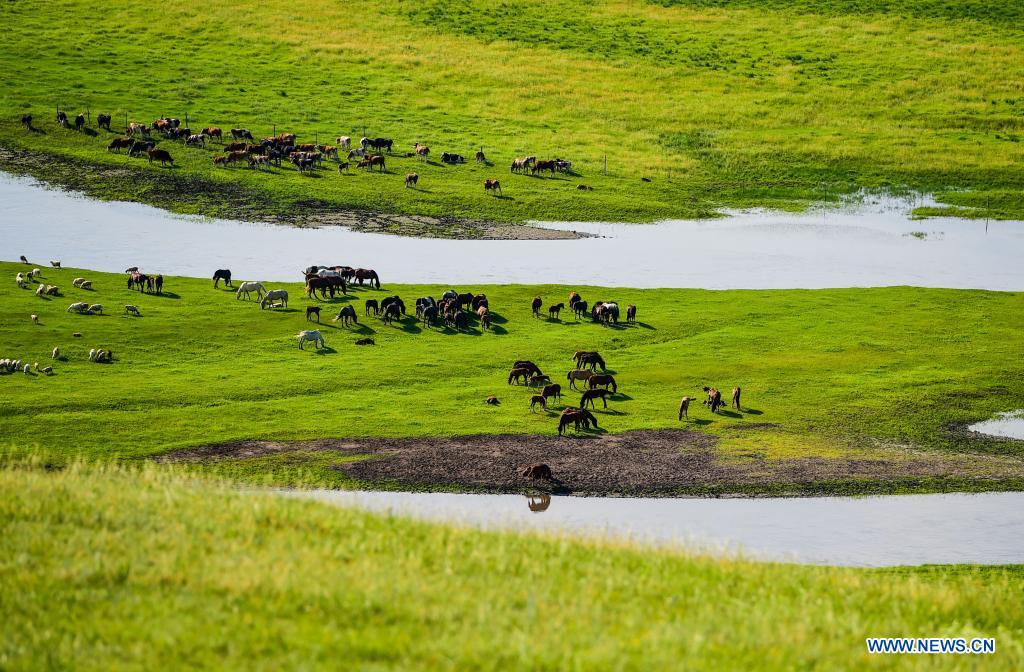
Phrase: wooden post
(186, 120)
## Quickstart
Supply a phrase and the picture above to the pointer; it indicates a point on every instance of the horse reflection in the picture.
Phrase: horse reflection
(538, 503)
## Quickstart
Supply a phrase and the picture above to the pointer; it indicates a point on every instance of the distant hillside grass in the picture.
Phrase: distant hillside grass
(744, 104)
(107, 568)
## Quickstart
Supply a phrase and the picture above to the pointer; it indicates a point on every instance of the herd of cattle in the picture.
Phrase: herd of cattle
(244, 149)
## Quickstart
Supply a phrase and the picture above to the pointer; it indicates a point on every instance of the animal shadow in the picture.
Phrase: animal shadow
(751, 411)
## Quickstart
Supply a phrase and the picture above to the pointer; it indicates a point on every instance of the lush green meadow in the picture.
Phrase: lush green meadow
(105, 568)
(886, 373)
(747, 103)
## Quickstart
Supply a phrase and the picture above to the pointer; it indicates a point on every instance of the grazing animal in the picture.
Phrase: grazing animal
(538, 399)
(492, 401)
(578, 374)
(539, 380)
(347, 315)
(591, 359)
(79, 307)
(422, 151)
(311, 335)
(41, 290)
(79, 122)
(52, 290)
(129, 309)
(493, 186)
(371, 161)
(527, 364)
(26, 121)
(103, 121)
(357, 154)
(736, 398)
(119, 144)
(485, 320)
(362, 274)
(480, 158)
(24, 259)
(535, 305)
(554, 310)
(344, 141)
(579, 309)
(584, 187)
(365, 341)
(246, 287)
(96, 308)
(448, 157)
(213, 132)
(161, 155)
(241, 134)
(539, 472)
(222, 274)
(552, 390)
(411, 179)
(236, 147)
(371, 304)
(35, 319)
(86, 284)
(272, 296)
(602, 380)
(56, 353)
(136, 129)
(589, 396)
(343, 167)
(714, 400)
(19, 279)
(77, 281)
(630, 313)
(55, 264)
(519, 374)
(684, 408)
(392, 312)
(312, 310)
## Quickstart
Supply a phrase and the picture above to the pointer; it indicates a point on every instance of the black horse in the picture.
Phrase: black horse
(222, 274)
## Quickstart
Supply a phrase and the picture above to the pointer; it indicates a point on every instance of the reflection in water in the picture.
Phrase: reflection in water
(539, 503)
(1008, 425)
(863, 244)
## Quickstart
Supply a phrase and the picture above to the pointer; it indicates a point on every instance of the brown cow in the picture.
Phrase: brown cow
(235, 147)
(161, 155)
(119, 144)
(213, 132)
(305, 147)
(233, 157)
(480, 158)
(371, 161)
(492, 186)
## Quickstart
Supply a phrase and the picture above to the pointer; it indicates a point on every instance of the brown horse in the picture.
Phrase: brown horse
(362, 274)
(493, 186)
(538, 399)
(480, 158)
(527, 364)
(736, 398)
(519, 374)
(554, 310)
(552, 390)
(537, 303)
(714, 399)
(589, 396)
(602, 380)
(578, 374)
(684, 407)
(540, 380)
(630, 313)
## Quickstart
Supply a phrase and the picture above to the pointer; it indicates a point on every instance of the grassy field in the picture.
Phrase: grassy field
(106, 568)
(759, 102)
(879, 373)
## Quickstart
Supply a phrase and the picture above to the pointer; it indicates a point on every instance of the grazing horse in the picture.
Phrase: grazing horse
(539, 380)
(158, 284)
(480, 158)
(480, 301)
(323, 285)
(138, 281)
(520, 374)
(577, 374)
(631, 313)
(535, 305)
(247, 287)
(588, 358)
(391, 313)
(580, 309)
(367, 274)
(684, 407)
(411, 179)
(540, 166)
(554, 310)
(347, 315)
(422, 151)
(552, 390)
(274, 295)
(103, 121)
(528, 365)
(371, 304)
(599, 380)
(589, 396)
(538, 399)
(393, 300)
(26, 121)
(429, 315)
(714, 400)
(492, 186)
(313, 335)
(312, 310)
(736, 397)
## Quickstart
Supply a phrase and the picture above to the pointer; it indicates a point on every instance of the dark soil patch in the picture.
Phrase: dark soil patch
(638, 463)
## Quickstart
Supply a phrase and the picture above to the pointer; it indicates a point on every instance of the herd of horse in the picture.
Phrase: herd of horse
(605, 312)
(244, 149)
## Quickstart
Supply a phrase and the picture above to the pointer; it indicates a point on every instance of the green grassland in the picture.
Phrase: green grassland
(106, 568)
(752, 103)
(832, 373)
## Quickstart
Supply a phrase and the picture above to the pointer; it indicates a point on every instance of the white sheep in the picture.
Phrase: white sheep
(35, 319)
(27, 369)
(92, 355)
(52, 290)
(35, 273)
(41, 290)
(86, 284)
(46, 369)
(20, 279)
(56, 353)
(96, 308)
(130, 309)
(77, 281)
(55, 264)
(79, 307)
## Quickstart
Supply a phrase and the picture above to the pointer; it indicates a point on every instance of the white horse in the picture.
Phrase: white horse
(274, 295)
(328, 273)
(311, 335)
(247, 287)
(344, 142)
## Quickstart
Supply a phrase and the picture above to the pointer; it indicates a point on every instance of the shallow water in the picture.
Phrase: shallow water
(1009, 425)
(865, 531)
(868, 244)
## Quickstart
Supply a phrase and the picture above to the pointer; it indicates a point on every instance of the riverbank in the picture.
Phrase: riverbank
(143, 567)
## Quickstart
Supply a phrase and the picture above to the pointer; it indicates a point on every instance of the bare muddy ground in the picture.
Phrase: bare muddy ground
(224, 199)
(638, 463)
